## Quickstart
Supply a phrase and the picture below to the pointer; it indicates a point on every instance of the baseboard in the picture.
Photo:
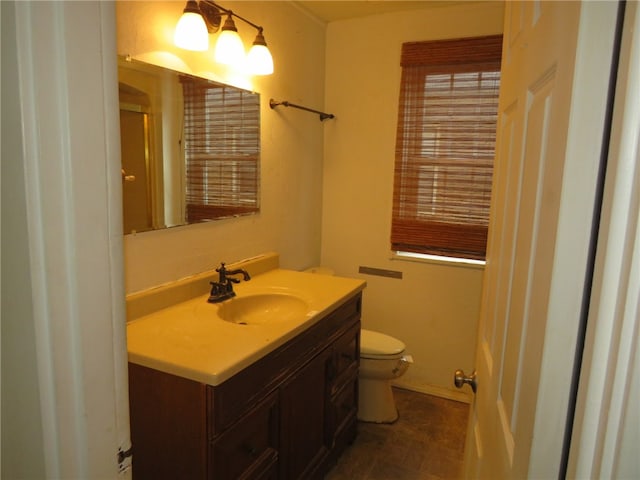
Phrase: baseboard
(458, 396)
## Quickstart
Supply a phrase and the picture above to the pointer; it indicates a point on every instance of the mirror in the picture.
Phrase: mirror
(190, 148)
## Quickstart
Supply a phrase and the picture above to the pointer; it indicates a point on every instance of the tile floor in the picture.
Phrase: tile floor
(426, 443)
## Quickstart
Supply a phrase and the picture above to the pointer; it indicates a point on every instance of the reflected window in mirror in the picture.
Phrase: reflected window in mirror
(190, 148)
(222, 150)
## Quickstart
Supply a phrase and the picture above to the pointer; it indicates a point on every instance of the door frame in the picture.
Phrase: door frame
(604, 434)
(70, 153)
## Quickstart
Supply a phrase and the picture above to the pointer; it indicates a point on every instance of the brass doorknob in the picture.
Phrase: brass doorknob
(127, 178)
(459, 379)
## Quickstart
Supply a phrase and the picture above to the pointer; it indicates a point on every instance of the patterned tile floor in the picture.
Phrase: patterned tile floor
(425, 443)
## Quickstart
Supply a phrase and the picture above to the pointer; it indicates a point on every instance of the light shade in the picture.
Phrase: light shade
(191, 31)
(229, 48)
(259, 59)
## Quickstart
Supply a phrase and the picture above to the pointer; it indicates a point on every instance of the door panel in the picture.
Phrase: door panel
(525, 252)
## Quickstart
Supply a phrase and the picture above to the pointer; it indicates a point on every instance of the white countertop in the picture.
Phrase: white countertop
(189, 339)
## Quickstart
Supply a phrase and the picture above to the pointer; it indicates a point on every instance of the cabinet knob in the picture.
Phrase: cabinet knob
(251, 450)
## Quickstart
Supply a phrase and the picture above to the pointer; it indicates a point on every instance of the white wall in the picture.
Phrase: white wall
(434, 308)
(292, 143)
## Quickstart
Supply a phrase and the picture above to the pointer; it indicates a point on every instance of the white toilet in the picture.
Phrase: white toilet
(382, 359)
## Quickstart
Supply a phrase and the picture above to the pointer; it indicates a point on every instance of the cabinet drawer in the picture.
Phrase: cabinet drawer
(346, 357)
(345, 404)
(344, 409)
(249, 448)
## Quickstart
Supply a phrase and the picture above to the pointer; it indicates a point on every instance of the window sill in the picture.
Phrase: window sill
(437, 260)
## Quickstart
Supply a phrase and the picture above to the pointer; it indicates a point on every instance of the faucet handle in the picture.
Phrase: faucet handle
(215, 288)
(222, 273)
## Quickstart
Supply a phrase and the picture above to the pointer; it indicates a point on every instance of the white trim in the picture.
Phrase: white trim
(71, 148)
(116, 242)
(438, 260)
(41, 307)
(606, 433)
(435, 390)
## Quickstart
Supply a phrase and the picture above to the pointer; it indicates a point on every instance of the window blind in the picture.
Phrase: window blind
(445, 146)
(222, 150)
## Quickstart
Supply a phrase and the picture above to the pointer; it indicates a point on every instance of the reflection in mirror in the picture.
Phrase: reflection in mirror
(190, 148)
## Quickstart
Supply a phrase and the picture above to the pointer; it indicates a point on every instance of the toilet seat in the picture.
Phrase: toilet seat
(378, 346)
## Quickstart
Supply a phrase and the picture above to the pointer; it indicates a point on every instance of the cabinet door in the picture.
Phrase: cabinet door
(304, 435)
(248, 449)
(168, 425)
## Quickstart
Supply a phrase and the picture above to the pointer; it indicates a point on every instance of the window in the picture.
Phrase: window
(445, 146)
(222, 150)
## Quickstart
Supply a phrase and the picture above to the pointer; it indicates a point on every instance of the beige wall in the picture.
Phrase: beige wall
(434, 308)
(292, 143)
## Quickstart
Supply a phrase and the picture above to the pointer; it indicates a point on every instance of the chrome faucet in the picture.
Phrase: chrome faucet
(223, 288)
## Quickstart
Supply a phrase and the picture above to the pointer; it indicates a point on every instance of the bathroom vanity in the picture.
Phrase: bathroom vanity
(212, 398)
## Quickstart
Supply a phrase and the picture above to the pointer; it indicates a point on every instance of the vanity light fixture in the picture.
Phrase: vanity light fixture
(229, 48)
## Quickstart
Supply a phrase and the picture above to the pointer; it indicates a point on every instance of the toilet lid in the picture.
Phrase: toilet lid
(376, 344)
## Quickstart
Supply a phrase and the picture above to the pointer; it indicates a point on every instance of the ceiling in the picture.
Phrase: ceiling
(332, 10)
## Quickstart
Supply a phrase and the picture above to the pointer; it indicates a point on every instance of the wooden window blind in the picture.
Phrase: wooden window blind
(445, 146)
(222, 150)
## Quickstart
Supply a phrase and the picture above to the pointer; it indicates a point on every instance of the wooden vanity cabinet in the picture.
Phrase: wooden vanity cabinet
(287, 416)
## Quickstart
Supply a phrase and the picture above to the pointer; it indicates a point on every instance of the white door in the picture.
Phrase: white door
(553, 99)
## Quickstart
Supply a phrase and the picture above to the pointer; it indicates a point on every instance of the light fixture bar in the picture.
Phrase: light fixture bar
(230, 12)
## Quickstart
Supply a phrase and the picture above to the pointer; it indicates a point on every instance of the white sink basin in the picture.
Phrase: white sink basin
(262, 308)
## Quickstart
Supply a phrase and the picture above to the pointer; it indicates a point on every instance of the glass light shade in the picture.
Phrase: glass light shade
(229, 48)
(259, 59)
(191, 33)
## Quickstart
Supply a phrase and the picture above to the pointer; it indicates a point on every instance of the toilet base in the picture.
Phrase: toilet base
(375, 401)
